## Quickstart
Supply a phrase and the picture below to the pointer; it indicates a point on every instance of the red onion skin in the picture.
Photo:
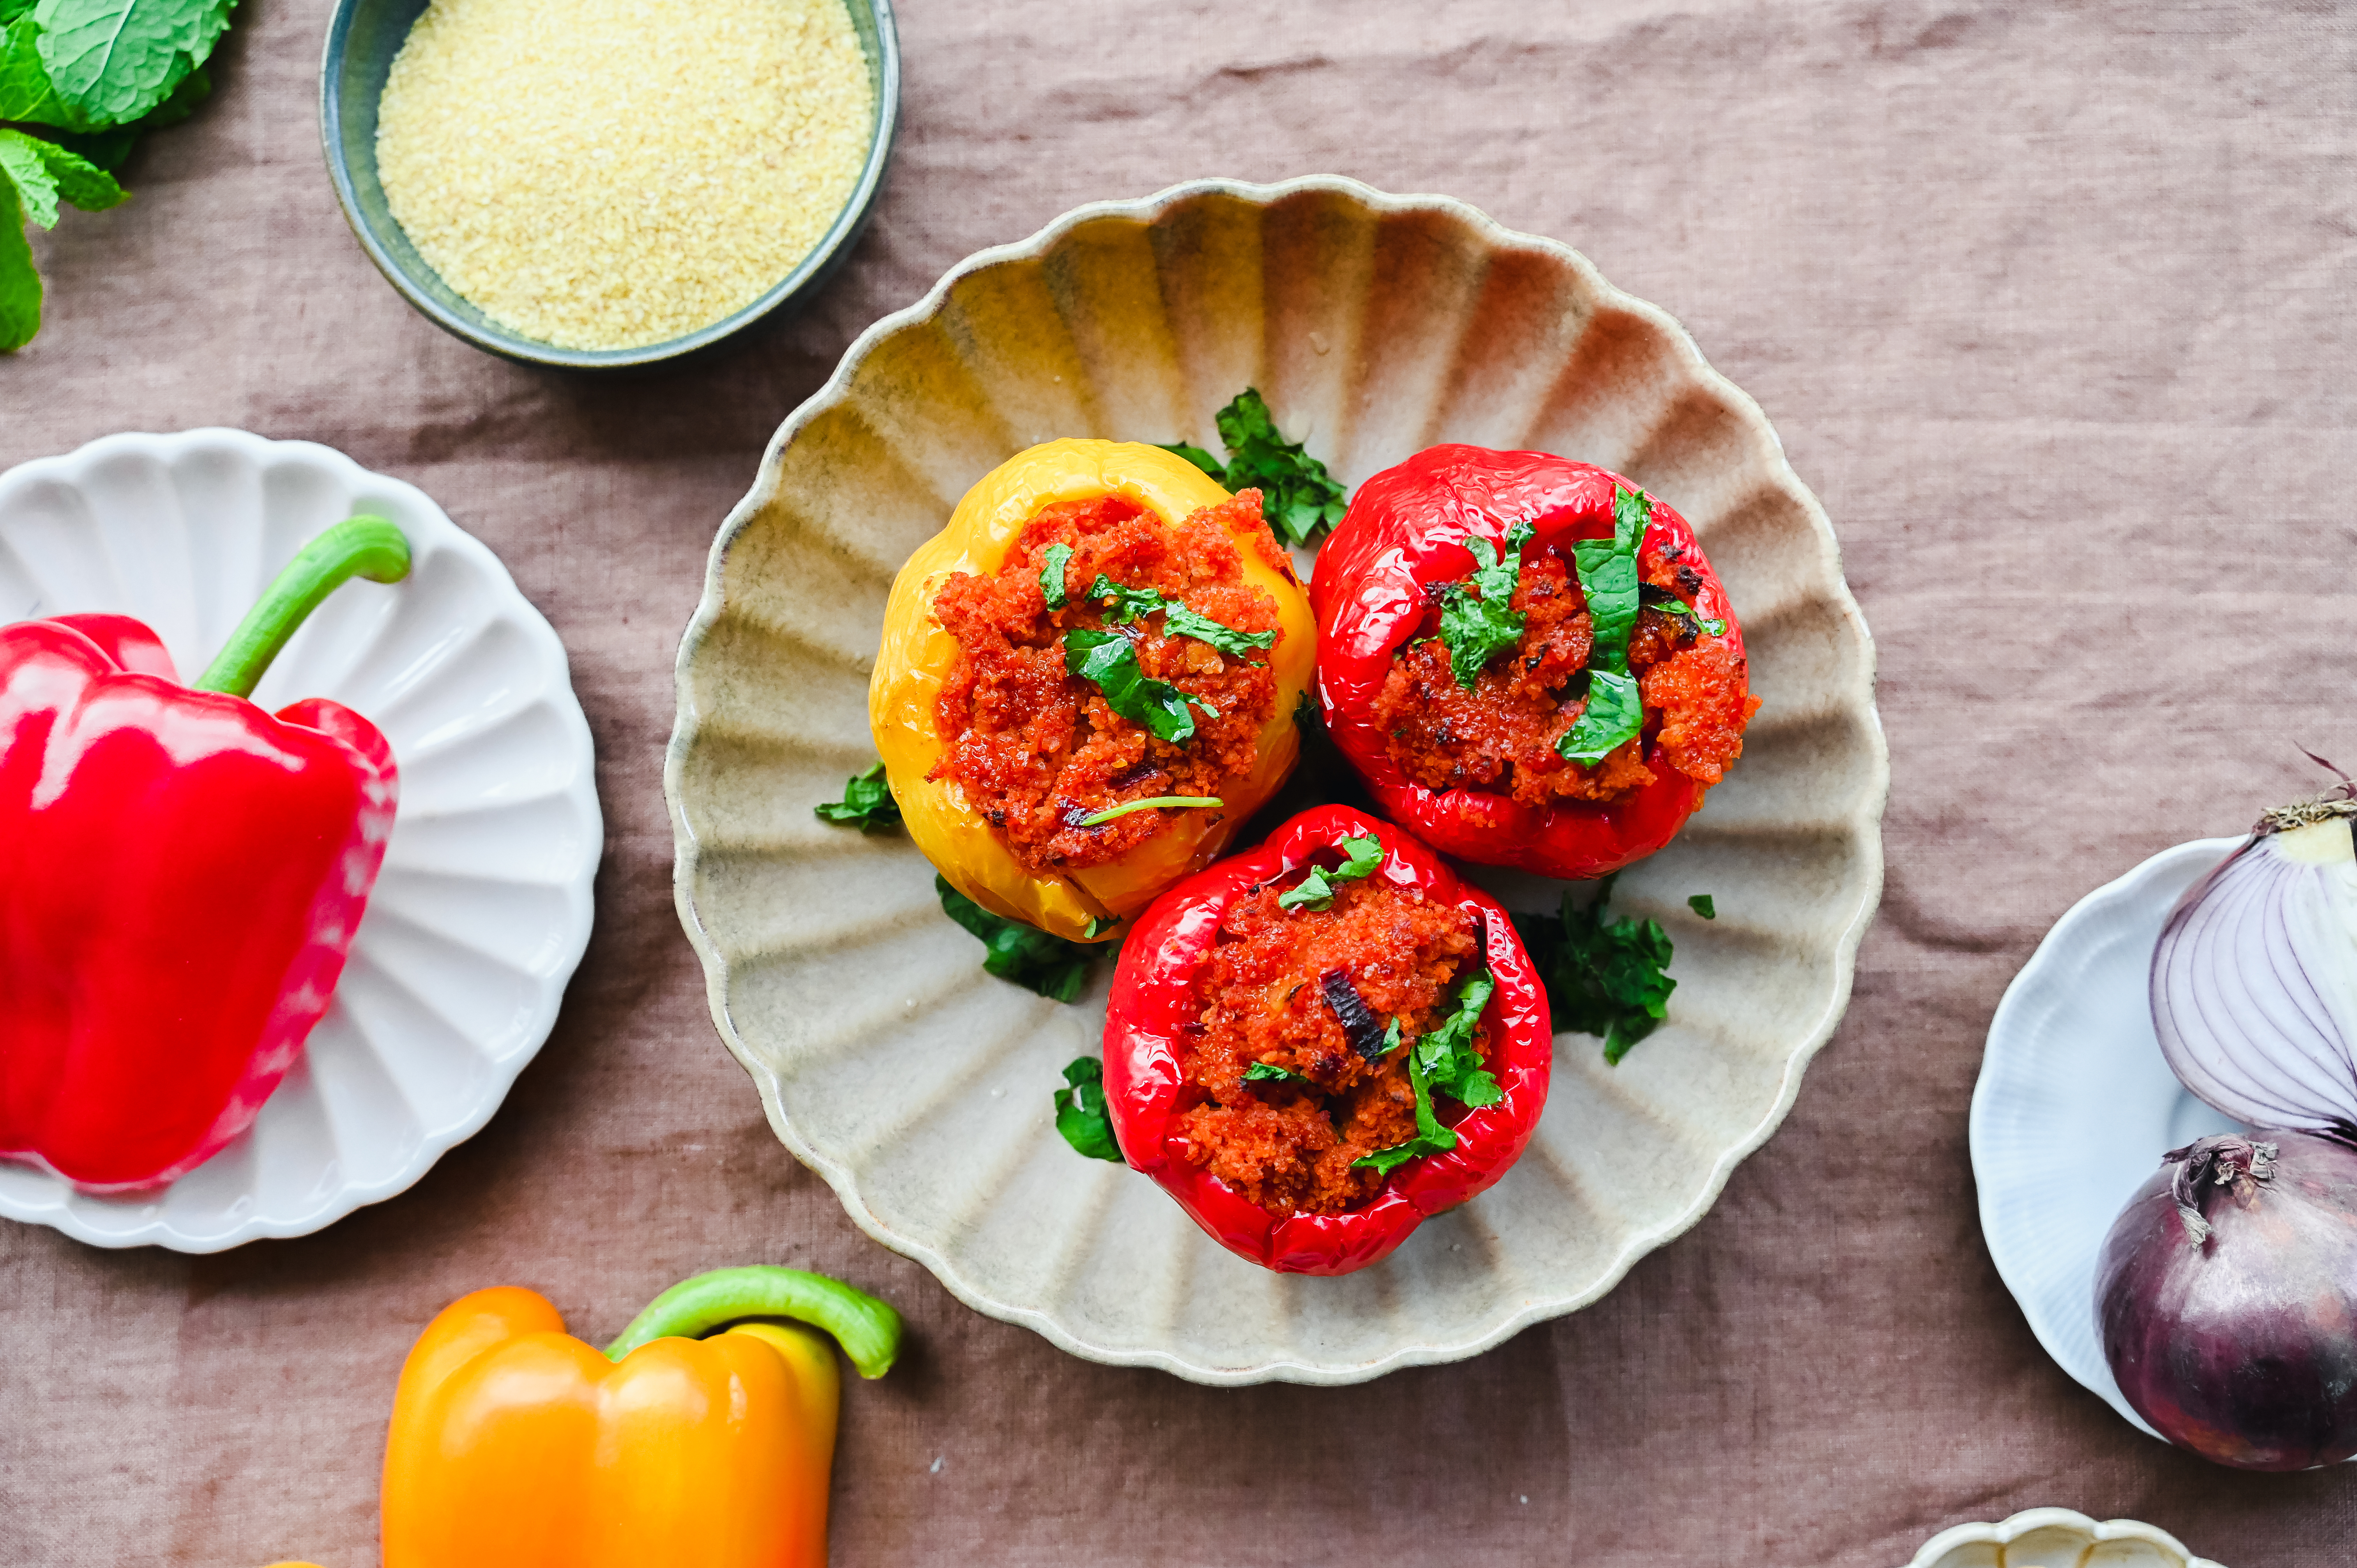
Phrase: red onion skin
(2243, 1347)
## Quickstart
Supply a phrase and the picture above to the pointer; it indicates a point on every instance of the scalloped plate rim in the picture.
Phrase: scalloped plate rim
(1865, 823)
(578, 889)
(2014, 1527)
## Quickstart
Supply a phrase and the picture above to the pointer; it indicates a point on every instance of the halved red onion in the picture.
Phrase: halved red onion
(2255, 978)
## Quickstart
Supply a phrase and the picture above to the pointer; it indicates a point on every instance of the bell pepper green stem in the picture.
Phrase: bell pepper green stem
(358, 547)
(867, 1329)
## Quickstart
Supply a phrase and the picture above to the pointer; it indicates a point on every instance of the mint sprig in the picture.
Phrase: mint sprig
(1607, 576)
(1604, 977)
(92, 76)
(1030, 958)
(867, 804)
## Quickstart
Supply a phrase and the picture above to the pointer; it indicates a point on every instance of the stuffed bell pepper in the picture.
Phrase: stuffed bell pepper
(1319, 1044)
(1528, 659)
(1088, 680)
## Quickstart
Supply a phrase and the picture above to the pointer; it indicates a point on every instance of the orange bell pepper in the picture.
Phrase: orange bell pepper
(515, 1445)
(918, 654)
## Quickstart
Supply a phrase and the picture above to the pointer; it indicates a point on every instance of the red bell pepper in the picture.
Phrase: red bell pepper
(181, 875)
(1373, 590)
(1154, 1002)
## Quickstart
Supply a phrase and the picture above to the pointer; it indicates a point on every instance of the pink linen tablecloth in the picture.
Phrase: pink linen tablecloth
(2052, 304)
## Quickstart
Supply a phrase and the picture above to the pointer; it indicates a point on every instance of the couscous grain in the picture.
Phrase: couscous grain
(609, 174)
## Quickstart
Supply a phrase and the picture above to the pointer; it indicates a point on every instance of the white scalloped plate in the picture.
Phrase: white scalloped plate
(483, 907)
(2075, 1105)
(920, 1087)
(2057, 1538)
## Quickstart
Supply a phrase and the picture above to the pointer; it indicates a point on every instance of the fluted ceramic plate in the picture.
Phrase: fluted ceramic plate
(2057, 1538)
(920, 1087)
(2076, 1105)
(483, 906)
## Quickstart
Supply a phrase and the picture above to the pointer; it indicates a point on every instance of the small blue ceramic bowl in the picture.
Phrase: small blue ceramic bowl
(362, 42)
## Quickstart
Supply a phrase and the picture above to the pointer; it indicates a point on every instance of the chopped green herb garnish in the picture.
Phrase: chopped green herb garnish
(1109, 661)
(1446, 1062)
(1298, 496)
(1603, 977)
(1080, 1110)
(867, 804)
(1701, 904)
(1269, 1072)
(1607, 576)
(1053, 562)
(1670, 605)
(1127, 807)
(1056, 969)
(1316, 891)
(1125, 603)
(1478, 620)
(1614, 715)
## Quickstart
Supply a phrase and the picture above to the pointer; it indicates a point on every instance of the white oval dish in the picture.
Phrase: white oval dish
(2057, 1538)
(483, 907)
(920, 1087)
(2075, 1104)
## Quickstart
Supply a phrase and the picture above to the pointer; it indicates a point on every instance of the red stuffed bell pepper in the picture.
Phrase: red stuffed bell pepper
(181, 875)
(1529, 661)
(1319, 1044)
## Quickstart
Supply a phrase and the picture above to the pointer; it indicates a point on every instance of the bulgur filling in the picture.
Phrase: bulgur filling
(1334, 998)
(1501, 736)
(1040, 748)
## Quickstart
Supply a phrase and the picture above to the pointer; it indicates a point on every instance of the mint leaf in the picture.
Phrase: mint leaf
(1124, 603)
(12, 9)
(70, 177)
(113, 60)
(1197, 455)
(867, 803)
(1614, 715)
(1023, 954)
(1053, 562)
(1701, 904)
(1316, 890)
(27, 172)
(1109, 661)
(1478, 620)
(1603, 977)
(111, 149)
(25, 91)
(1081, 1114)
(1269, 1072)
(1444, 1062)
(20, 283)
(1607, 576)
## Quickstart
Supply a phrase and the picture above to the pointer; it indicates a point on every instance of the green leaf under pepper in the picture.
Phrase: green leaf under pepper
(1109, 661)
(1478, 620)
(1056, 969)
(1298, 497)
(867, 804)
(1081, 1114)
(1603, 977)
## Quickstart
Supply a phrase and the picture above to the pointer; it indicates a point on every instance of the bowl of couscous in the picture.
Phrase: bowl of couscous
(606, 184)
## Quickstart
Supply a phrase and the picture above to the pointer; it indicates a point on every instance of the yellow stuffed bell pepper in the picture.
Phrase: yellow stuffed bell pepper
(515, 1445)
(1081, 902)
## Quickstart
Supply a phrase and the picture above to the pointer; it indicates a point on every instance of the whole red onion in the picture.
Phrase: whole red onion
(2227, 1298)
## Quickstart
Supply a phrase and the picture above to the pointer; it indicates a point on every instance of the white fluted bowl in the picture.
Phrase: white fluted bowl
(2057, 1538)
(483, 906)
(1376, 325)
